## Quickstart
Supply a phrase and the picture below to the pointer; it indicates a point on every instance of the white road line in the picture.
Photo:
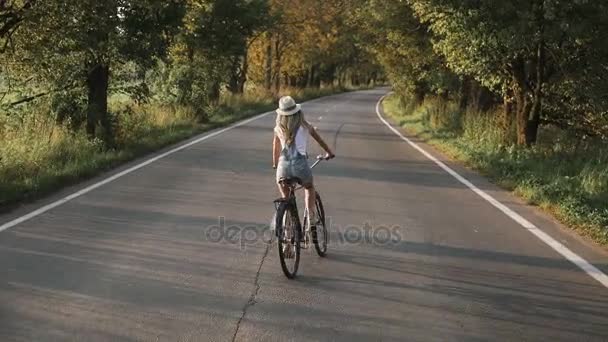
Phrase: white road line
(68, 198)
(88, 189)
(583, 264)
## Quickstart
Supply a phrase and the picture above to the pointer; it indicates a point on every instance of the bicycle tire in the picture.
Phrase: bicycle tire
(320, 237)
(295, 230)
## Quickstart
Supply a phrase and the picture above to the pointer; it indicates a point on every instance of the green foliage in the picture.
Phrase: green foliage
(38, 156)
(61, 38)
(560, 173)
(139, 74)
(12, 13)
(545, 58)
(210, 49)
(68, 107)
(310, 43)
(542, 52)
(77, 47)
(402, 46)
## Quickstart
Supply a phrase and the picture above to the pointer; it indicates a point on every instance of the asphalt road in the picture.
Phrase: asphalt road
(143, 258)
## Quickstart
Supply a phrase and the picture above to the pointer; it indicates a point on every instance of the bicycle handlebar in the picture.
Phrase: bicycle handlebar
(320, 158)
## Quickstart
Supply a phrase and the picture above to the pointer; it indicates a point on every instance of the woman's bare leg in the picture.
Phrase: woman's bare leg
(284, 190)
(310, 198)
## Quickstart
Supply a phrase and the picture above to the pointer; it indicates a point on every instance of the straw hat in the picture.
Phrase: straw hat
(288, 106)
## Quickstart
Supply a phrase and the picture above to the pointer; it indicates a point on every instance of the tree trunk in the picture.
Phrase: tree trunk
(244, 71)
(303, 83)
(524, 107)
(521, 91)
(533, 124)
(465, 92)
(277, 78)
(485, 99)
(277, 72)
(185, 83)
(532, 129)
(529, 98)
(331, 75)
(419, 94)
(311, 77)
(240, 66)
(317, 79)
(233, 82)
(505, 120)
(354, 80)
(214, 94)
(97, 106)
(268, 67)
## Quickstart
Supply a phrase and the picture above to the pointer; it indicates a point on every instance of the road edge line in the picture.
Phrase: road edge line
(574, 258)
(205, 136)
(55, 204)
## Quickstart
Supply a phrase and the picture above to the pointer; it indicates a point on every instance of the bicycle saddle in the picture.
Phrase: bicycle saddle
(290, 181)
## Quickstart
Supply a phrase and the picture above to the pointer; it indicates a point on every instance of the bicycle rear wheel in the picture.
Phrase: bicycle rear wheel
(288, 241)
(320, 235)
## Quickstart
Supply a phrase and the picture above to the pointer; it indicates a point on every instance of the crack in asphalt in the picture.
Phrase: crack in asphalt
(336, 136)
(251, 302)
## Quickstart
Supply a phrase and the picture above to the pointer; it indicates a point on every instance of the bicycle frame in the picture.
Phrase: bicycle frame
(290, 201)
(319, 160)
(291, 197)
(289, 240)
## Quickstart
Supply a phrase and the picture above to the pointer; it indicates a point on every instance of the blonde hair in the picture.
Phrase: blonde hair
(287, 126)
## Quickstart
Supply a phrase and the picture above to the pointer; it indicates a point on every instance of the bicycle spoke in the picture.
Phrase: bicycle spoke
(288, 243)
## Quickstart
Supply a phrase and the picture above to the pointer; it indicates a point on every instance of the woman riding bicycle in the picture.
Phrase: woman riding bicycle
(289, 147)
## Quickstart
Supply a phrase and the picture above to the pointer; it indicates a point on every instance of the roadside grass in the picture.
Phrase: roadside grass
(564, 175)
(38, 156)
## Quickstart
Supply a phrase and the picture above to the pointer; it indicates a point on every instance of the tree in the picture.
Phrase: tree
(402, 46)
(211, 49)
(310, 43)
(522, 49)
(12, 13)
(80, 43)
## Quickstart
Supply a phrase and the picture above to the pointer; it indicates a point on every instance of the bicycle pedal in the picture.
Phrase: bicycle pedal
(305, 243)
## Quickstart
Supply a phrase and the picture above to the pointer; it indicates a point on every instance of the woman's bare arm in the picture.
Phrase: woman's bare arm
(276, 150)
(317, 137)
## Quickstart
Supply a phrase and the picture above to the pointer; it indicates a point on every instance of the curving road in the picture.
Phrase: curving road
(174, 251)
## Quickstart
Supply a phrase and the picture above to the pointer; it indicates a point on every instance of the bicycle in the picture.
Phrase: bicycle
(288, 228)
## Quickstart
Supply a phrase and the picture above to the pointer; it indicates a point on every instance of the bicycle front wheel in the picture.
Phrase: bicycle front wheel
(288, 241)
(320, 236)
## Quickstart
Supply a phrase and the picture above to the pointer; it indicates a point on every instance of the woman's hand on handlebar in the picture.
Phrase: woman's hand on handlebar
(327, 156)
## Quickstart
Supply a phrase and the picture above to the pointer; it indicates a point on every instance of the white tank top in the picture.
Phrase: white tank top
(301, 140)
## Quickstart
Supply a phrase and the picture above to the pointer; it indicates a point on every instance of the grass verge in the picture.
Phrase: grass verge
(38, 157)
(562, 174)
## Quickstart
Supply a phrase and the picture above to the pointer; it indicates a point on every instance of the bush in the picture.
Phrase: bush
(38, 154)
(561, 173)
